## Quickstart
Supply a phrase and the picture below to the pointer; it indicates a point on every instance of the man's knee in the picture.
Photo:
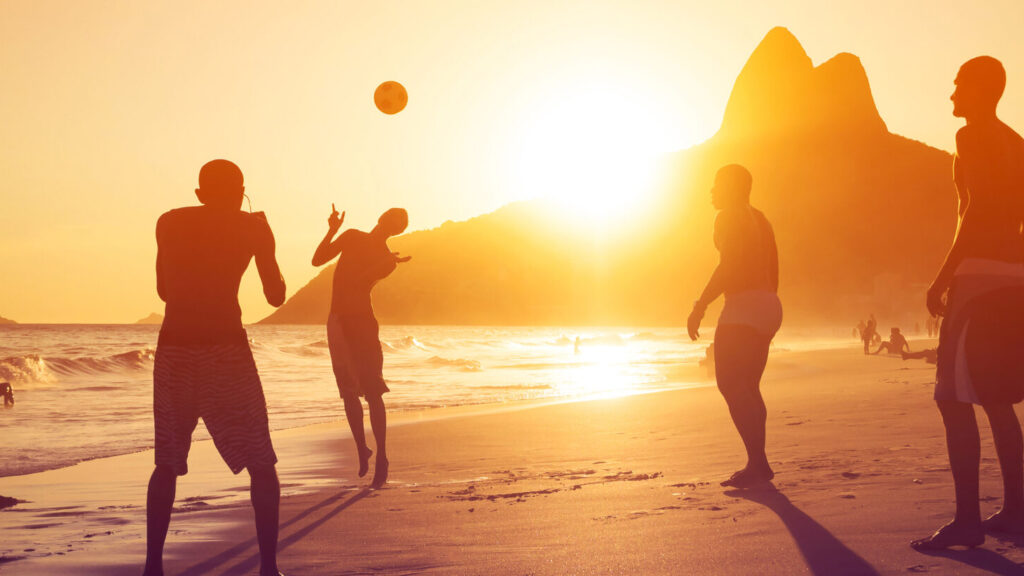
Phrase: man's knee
(263, 473)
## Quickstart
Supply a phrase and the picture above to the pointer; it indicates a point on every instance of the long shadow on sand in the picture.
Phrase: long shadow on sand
(247, 565)
(823, 553)
(982, 559)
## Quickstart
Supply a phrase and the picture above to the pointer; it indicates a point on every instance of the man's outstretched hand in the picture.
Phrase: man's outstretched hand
(399, 258)
(334, 220)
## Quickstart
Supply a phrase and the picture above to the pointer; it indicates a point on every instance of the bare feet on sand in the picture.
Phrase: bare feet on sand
(952, 534)
(364, 460)
(1005, 521)
(750, 476)
(380, 473)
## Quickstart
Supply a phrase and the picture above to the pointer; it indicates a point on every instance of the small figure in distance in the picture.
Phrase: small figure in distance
(897, 343)
(7, 391)
(978, 291)
(203, 366)
(931, 355)
(858, 331)
(748, 276)
(352, 330)
(869, 334)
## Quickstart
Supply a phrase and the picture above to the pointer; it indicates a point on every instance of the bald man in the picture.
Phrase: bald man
(204, 367)
(982, 333)
(748, 276)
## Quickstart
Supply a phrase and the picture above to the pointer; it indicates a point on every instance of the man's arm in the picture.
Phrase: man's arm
(327, 250)
(945, 276)
(719, 278)
(161, 289)
(266, 265)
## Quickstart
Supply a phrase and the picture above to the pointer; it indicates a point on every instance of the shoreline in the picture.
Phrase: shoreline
(601, 486)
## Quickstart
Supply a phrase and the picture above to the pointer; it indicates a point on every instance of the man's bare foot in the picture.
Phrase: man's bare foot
(952, 534)
(1005, 521)
(750, 476)
(364, 460)
(380, 473)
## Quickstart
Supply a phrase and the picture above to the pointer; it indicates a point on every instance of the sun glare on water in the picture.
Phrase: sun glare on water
(594, 148)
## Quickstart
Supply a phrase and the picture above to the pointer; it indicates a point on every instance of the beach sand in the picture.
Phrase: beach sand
(623, 485)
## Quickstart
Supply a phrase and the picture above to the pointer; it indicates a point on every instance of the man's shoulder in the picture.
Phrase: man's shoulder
(176, 218)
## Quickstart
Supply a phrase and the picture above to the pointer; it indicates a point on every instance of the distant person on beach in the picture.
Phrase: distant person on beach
(869, 334)
(982, 333)
(748, 276)
(7, 391)
(858, 331)
(896, 344)
(352, 330)
(931, 355)
(203, 366)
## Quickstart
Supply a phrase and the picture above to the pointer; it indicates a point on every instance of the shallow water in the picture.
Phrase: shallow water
(85, 391)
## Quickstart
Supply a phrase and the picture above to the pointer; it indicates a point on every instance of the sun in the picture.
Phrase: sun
(594, 147)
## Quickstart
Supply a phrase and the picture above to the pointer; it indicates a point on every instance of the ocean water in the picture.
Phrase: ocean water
(85, 391)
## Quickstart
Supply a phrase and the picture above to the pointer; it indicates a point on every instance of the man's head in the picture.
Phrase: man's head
(393, 222)
(894, 331)
(979, 85)
(221, 185)
(732, 187)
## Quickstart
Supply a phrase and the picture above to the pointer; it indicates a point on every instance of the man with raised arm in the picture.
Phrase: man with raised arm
(748, 276)
(204, 367)
(982, 333)
(352, 330)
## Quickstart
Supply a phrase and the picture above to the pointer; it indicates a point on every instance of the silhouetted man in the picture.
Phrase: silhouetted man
(896, 345)
(869, 333)
(7, 391)
(748, 276)
(203, 367)
(982, 333)
(352, 330)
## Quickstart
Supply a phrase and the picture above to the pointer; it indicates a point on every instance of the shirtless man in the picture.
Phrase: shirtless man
(352, 330)
(748, 276)
(203, 367)
(982, 278)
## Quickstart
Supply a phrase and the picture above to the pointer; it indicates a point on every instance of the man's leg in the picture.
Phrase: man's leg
(159, 501)
(1010, 448)
(354, 415)
(379, 424)
(740, 357)
(964, 446)
(265, 492)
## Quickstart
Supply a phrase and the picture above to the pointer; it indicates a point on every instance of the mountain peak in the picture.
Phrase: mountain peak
(779, 48)
(779, 91)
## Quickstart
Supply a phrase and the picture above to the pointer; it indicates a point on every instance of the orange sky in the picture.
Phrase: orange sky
(110, 108)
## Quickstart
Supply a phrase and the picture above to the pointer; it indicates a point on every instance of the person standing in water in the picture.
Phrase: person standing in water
(203, 366)
(982, 331)
(748, 276)
(352, 330)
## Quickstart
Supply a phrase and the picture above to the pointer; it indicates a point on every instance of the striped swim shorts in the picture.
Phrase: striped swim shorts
(220, 384)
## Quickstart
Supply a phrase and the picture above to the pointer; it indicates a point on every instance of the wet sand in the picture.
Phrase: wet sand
(613, 486)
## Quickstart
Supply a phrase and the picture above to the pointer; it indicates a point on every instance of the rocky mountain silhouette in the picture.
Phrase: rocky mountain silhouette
(862, 218)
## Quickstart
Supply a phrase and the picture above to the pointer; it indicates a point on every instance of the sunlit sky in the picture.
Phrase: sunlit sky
(108, 109)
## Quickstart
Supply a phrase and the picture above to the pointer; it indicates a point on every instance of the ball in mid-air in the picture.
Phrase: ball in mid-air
(390, 97)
